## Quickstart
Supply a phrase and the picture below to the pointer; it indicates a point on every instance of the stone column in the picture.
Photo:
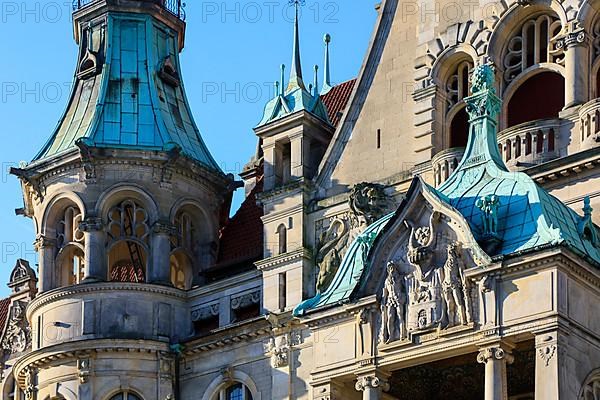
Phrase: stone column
(576, 64)
(372, 385)
(550, 369)
(159, 270)
(95, 268)
(46, 249)
(495, 358)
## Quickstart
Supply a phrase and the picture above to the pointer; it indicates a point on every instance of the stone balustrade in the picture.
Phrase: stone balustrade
(445, 162)
(530, 143)
(589, 122)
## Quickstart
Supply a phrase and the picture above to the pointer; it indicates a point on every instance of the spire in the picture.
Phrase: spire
(296, 71)
(316, 82)
(327, 80)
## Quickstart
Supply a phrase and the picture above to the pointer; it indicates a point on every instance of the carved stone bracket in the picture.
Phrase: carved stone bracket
(84, 370)
(42, 242)
(278, 348)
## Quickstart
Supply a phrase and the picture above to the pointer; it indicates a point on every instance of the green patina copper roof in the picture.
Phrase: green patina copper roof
(525, 216)
(296, 97)
(136, 100)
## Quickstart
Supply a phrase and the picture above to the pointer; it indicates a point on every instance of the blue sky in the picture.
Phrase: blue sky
(232, 57)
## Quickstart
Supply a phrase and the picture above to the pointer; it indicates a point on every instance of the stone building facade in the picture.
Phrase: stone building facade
(425, 231)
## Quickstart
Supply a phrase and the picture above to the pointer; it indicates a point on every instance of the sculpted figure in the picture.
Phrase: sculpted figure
(332, 244)
(393, 306)
(489, 208)
(452, 285)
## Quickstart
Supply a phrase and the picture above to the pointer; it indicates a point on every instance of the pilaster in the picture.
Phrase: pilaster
(550, 365)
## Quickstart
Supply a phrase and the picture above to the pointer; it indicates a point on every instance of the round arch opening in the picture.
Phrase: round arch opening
(541, 96)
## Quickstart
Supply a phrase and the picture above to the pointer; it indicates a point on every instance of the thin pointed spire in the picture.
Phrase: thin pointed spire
(316, 82)
(296, 79)
(327, 70)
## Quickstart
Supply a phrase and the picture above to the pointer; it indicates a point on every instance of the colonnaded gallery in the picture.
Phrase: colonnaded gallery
(425, 231)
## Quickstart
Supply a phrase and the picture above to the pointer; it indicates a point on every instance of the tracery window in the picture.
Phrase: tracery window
(591, 389)
(128, 231)
(535, 43)
(70, 242)
(126, 395)
(185, 244)
(458, 85)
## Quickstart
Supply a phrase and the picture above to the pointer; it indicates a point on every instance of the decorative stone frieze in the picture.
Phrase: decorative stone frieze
(205, 312)
(245, 300)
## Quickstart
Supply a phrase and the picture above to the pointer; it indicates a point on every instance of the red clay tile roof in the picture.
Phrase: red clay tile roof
(242, 237)
(337, 99)
(4, 306)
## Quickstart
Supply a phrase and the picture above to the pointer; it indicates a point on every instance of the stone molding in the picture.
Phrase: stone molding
(292, 256)
(91, 224)
(97, 288)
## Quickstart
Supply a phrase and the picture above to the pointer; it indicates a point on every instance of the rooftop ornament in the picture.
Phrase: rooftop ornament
(175, 7)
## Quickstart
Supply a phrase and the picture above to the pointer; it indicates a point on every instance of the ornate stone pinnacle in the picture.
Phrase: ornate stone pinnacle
(483, 102)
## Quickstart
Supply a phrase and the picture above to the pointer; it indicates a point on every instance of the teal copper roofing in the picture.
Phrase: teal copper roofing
(295, 97)
(507, 212)
(128, 93)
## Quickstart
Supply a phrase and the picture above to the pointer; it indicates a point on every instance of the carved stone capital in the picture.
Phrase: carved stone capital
(494, 353)
(43, 242)
(91, 224)
(575, 36)
(163, 228)
(371, 382)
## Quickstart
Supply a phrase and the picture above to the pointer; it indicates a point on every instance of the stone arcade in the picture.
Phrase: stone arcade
(435, 240)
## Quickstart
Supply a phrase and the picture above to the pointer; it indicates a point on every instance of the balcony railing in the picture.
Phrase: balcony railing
(445, 162)
(531, 143)
(175, 7)
(589, 122)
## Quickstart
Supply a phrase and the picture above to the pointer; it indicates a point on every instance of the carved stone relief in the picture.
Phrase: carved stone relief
(17, 337)
(425, 286)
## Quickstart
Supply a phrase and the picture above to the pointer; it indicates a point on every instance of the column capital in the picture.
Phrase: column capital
(91, 224)
(372, 381)
(43, 242)
(494, 353)
(164, 228)
(575, 36)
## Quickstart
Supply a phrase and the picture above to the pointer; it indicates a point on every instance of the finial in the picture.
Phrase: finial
(316, 82)
(327, 80)
(276, 88)
(296, 71)
(587, 208)
(282, 79)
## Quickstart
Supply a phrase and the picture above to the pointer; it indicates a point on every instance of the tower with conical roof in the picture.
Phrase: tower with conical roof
(127, 203)
(294, 132)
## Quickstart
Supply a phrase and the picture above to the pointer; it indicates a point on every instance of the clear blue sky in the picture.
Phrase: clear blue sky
(232, 57)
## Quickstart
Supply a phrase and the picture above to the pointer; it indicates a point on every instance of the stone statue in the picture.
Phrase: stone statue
(393, 306)
(332, 244)
(368, 202)
(489, 208)
(452, 285)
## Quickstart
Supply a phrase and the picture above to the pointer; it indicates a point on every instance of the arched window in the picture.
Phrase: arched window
(457, 88)
(128, 233)
(236, 391)
(536, 42)
(70, 243)
(526, 105)
(591, 387)
(282, 239)
(126, 395)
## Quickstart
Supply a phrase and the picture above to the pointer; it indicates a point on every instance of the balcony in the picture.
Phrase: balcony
(175, 7)
(530, 143)
(445, 162)
(589, 122)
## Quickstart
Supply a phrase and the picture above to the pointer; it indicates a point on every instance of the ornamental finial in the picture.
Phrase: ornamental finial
(483, 78)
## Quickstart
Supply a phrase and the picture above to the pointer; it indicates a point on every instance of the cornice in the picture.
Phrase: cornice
(292, 256)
